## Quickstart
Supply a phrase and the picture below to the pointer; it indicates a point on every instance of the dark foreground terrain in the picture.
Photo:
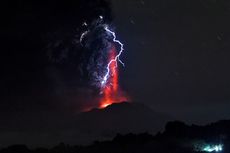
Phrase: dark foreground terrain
(176, 138)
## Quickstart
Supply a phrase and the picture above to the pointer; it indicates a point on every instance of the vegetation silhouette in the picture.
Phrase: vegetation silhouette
(176, 138)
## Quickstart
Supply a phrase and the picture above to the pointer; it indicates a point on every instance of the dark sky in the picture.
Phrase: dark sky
(176, 55)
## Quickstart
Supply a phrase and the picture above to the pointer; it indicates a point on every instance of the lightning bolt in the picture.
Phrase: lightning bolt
(116, 59)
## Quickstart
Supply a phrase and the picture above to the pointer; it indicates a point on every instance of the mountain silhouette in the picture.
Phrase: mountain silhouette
(121, 118)
(84, 128)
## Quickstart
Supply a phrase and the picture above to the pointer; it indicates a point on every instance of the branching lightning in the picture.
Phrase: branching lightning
(117, 57)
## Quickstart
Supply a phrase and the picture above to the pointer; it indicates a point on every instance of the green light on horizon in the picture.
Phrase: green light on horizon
(211, 148)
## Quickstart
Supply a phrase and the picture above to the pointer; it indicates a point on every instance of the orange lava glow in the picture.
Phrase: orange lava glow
(112, 92)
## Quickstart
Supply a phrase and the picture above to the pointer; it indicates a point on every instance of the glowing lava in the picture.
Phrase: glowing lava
(111, 91)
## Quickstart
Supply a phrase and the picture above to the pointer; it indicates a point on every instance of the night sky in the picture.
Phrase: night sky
(176, 55)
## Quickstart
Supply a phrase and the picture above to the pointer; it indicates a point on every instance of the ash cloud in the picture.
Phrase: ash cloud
(97, 43)
(88, 58)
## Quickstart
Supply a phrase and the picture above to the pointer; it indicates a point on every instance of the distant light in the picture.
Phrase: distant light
(211, 148)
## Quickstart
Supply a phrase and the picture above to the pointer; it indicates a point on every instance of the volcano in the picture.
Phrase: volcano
(121, 118)
(83, 128)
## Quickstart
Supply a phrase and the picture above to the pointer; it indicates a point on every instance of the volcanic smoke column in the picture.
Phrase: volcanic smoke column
(110, 83)
(102, 67)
